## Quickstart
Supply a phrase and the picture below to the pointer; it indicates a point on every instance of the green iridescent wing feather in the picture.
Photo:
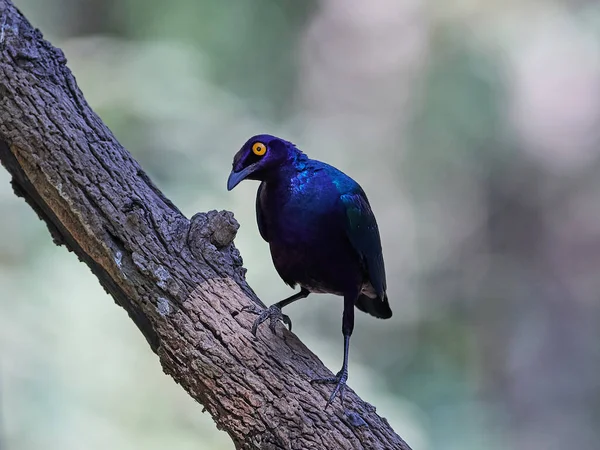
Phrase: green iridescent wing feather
(363, 234)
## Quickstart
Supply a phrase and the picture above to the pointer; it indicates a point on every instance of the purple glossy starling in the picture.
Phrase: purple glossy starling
(321, 231)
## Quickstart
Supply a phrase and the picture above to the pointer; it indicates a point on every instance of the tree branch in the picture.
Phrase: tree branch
(181, 281)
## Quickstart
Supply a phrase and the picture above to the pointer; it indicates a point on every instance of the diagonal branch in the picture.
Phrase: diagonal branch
(181, 281)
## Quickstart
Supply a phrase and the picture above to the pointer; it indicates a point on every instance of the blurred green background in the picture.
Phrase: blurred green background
(474, 127)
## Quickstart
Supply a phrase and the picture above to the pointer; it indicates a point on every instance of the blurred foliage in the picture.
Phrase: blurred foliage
(472, 127)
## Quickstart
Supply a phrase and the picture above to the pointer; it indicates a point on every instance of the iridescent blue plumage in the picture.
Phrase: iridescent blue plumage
(321, 232)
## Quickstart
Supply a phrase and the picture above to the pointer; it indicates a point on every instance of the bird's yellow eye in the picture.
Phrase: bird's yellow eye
(259, 148)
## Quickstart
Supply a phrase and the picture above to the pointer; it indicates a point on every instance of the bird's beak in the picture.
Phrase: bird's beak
(235, 177)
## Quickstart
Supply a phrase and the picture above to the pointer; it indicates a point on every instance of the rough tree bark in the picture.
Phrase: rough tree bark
(181, 281)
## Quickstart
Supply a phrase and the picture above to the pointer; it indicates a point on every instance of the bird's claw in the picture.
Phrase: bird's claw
(273, 313)
(340, 385)
(252, 308)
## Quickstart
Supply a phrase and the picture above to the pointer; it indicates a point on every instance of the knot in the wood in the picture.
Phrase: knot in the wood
(218, 227)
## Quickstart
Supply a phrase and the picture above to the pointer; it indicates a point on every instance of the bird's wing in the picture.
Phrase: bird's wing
(363, 234)
(260, 215)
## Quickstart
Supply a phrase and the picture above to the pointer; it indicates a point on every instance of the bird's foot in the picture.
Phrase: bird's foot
(340, 385)
(273, 313)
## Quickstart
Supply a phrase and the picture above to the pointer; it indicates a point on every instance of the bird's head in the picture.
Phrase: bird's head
(259, 157)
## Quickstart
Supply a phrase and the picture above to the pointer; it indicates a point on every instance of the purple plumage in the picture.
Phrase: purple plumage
(321, 232)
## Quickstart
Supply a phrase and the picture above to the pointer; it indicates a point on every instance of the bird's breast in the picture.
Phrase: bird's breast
(301, 211)
(307, 237)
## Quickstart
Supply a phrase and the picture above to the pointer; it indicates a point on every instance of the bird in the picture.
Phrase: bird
(322, 235)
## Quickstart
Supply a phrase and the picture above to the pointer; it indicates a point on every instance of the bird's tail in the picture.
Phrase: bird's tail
(378, 306)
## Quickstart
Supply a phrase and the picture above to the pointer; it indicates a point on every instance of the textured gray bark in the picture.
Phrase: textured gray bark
(181, 281)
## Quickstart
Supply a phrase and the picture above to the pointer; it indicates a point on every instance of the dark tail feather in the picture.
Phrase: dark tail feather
(378, 307)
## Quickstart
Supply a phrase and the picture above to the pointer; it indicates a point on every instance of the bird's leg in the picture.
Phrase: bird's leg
(342, 376)
(273, 312)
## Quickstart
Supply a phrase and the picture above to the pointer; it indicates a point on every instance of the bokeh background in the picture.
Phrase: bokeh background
(474, 127)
